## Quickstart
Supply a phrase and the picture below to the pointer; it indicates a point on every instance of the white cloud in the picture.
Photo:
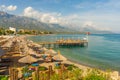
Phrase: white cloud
(30, 12)
(88, 23)
(11, 8)
(41, 16)
(92, 25)
(2, 7)
(73, 20)
(8, 8)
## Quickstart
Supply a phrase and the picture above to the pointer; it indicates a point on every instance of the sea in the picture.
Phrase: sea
(103, 50)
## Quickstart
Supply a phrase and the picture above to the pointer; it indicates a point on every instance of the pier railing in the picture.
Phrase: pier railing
(63, 43)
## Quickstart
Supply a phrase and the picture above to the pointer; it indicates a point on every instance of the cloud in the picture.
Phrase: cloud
(92, 25)
(103, 13)
(8, 8)
(11, 8)
(72, 20)
(49, 17)
(41, 16)
(30, 12)
(88, 23)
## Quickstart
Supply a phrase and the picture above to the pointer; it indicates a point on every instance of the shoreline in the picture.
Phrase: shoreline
(85, 68)
(88, 66)
(81, 65)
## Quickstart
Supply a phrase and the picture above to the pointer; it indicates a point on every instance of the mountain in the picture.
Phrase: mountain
(92, 29)
(21, 22)
(96, 31)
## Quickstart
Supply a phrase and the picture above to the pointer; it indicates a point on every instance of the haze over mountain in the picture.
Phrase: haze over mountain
(22, 22)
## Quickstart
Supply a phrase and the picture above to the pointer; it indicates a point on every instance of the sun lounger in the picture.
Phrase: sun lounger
(6, 60)
(44, 56)
(35, 64)
(4, 65)
(32, 69)
(27, 74)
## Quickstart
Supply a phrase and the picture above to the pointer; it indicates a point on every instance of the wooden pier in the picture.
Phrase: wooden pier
(65, 43)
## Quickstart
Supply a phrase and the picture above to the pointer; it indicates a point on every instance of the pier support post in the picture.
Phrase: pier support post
(50, 72)
(49, 45)
(43, 45)
(54, 45)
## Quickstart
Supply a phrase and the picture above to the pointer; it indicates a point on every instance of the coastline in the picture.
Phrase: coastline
(85, 68)
(80, 65)
(66, 60)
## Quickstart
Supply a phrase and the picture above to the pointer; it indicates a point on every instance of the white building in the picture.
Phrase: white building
(12, 29)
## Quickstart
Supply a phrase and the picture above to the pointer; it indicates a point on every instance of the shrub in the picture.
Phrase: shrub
(95, 75)
(71, 67)
(55, 77)
(77, 73)
(3, 77)
(57, 67)
(42, 68)
(25, 69)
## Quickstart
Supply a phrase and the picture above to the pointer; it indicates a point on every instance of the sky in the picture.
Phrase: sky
(98, 14)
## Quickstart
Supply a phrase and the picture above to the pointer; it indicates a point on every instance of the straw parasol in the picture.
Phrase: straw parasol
(59, 56)
(37, 45)
(7, 44)
(51, 52)
(43, 49)
(27, 59)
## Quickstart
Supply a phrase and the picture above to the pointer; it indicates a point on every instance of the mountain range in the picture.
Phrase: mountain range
(21, 22)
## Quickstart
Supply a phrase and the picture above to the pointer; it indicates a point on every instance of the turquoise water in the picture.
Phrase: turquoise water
(103, 51)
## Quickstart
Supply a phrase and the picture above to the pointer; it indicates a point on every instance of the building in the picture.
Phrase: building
(12, 29)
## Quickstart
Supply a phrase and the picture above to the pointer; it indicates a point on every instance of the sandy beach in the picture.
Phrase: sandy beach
(26, 47)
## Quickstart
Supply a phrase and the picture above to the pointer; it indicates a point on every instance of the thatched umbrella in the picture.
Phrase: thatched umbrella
(7, 44)
(27, 59)
(59, 56)
(37, 45)
(43, 49)
(51, 52)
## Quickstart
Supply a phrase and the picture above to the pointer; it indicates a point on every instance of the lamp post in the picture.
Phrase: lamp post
(87, 35)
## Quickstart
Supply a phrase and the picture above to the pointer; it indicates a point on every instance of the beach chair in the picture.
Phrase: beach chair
(57, 65)
(6, 60)
(44, 56)
(4, 65)
(27, 74)
(35, 64)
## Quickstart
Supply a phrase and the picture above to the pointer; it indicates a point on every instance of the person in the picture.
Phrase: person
(44, 56)
(49, 58)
